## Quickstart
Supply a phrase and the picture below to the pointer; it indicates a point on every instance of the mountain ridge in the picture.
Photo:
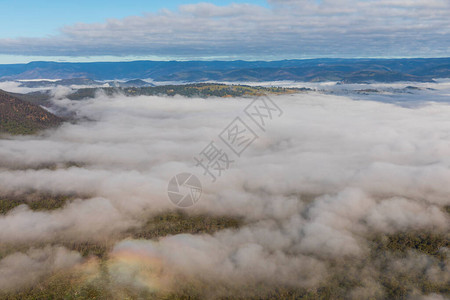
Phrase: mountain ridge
(309, 70)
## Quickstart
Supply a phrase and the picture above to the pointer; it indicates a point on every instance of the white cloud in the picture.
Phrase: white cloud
(19, 270)
(286, 29)
(325, 177)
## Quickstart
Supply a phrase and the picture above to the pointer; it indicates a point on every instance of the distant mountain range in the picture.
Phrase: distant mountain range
(310, 70)
(20, 117)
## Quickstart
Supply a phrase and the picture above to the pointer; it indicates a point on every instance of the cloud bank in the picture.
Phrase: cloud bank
(294, 29)
(23, 269)
(313, 190)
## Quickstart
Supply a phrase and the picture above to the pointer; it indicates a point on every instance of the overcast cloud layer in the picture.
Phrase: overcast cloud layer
(294, 29)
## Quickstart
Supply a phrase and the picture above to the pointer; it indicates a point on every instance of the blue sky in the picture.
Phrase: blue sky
(34, 18)
(115, 30)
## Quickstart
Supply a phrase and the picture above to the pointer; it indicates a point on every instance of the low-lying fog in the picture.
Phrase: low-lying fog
(313, 188)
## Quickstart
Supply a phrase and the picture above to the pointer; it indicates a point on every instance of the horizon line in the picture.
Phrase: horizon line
(219, 60)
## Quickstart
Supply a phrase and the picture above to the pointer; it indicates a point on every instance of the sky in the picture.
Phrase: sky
(116, 30)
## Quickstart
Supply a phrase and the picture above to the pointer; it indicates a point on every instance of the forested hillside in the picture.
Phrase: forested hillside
(19, 117)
